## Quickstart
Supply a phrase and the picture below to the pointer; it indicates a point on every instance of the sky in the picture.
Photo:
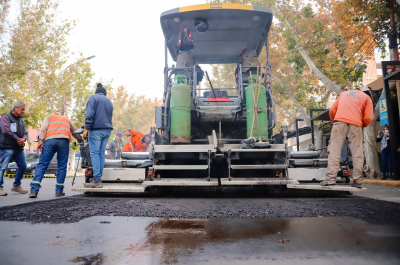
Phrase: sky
(126, 38)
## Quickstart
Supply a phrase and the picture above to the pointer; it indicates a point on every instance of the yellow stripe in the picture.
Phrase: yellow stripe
(215, 6)
(392, 183)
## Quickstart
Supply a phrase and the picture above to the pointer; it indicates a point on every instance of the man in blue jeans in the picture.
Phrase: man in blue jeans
(12, 140)
(54, 137)
(98, 125)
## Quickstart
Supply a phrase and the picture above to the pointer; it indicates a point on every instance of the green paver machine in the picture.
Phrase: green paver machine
(215, 136)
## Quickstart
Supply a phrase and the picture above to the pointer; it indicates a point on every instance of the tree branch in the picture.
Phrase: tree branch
(315, 71)
(295, 102)
(285, 110)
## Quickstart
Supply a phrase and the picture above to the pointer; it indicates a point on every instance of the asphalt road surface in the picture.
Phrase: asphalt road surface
(239, 227)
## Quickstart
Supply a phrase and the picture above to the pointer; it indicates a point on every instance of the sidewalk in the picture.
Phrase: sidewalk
(380, 192)
(47, 191)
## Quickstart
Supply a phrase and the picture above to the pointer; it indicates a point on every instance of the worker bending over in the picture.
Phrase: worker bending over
(137, 141)
(352, 111)
(54, 137)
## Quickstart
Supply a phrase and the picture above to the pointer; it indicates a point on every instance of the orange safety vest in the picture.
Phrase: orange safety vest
(135, 142)
(58, 125)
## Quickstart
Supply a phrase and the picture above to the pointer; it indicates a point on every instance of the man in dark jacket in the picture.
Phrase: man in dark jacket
(12, 140)
(114, 147)
(98, 126)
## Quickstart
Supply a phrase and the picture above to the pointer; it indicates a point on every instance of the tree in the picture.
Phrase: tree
(32, 62)
(131, 111)
(373, 14)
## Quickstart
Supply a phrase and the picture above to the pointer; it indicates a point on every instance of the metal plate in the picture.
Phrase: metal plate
(256, 182)
(124, 174)
(182, 182)
(237, 148)
(307, 174)
(119, 163)
(180, 167)
(135, 155)
(259, 166)
(217, 113)
(203, 148)
(113, 187)
(328, 188)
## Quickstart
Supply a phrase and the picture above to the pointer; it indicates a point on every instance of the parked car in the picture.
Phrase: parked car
(32, 160)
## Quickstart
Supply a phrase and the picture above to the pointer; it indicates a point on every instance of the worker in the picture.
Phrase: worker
(137, 141)
(98, 127)
(12, 141)
(114, 147)
(387, 159)
(54, 137)
(352, 111)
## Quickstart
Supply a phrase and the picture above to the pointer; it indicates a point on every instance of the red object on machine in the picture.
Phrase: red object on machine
(151, 173)
(346, 173)
(88, 173)
(219, 99)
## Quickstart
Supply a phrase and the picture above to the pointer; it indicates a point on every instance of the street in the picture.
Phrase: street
(182, 228)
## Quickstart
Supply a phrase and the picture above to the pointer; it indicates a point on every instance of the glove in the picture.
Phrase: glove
(85, 134)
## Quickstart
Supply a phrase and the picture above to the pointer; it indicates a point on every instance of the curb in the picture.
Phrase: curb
(392, 183)
(31, 176)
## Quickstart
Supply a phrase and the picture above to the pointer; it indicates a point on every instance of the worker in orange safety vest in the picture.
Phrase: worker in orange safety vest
(137, 141)
(54, 137)
(351, 112)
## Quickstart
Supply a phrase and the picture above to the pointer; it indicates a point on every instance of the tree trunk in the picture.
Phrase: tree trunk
(371, 150)
(30, 143)
(72, 162)
(318, 138)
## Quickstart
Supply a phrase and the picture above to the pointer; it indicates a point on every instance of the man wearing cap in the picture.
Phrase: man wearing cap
(98, 126)
(114, 147)
(352, 111)
(137, 141)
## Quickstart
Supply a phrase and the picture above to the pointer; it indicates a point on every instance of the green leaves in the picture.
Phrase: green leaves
(33, 65)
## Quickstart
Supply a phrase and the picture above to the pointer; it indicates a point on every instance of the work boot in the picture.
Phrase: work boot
(357, 185)
(327, 183)
(2, 192)
(94, 183)
(33, 194)
(60, 194)
(18, 189)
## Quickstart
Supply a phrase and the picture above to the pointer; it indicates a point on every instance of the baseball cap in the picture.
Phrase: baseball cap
(366, 89)
(119, 134)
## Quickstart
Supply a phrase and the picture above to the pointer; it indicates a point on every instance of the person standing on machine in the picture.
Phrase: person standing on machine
(98, 127)
(351, 112)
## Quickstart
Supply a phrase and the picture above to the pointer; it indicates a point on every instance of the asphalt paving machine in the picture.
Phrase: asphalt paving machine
(212, 137)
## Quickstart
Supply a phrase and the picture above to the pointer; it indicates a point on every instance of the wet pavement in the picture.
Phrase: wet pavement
(134, 240)
(200, 228)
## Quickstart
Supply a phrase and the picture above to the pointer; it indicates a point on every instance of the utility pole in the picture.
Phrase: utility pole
(393, 43)
(393, 46)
